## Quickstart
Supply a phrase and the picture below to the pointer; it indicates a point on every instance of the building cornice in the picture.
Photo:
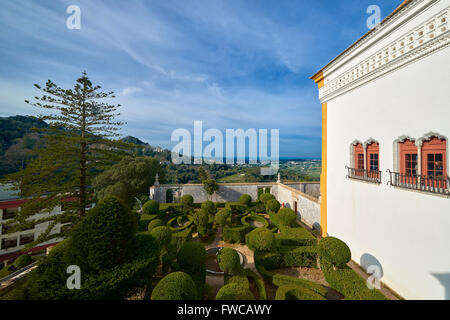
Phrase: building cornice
(420, 41)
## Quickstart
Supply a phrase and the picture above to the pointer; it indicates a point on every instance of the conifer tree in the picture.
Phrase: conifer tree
(78, 144)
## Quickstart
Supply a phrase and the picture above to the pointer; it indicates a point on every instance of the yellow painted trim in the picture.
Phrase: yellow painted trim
(323, 175)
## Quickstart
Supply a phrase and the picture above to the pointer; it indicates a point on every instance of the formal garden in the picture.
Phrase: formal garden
(244, 251)
(248, 250)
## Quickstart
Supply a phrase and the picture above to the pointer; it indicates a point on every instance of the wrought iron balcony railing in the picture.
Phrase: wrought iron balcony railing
(432, 184)
(364, 175)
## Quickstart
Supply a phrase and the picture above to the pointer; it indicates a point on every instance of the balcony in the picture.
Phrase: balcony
(364, 175)
(432, 184)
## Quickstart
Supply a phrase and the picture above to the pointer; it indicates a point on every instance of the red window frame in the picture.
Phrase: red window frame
(373, 157)
(359, 159)
(434, 162)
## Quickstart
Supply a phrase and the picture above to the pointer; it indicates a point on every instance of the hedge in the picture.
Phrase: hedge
(183, 236)
(236, 207)
(259, 283)
(349, 283)
(222, 216)
(151, 207)
(155, 223)
(179, 219)
(300, 256)
(256, 218)
(283, 280)
(175, 286)
(187, 200)
(291, 292)
(334, 251)
(234, 234)
(23, 261)
(295, 237)
(260, 239)
(285, 217)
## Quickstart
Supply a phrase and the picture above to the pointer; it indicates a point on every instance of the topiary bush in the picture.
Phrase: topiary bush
(272, 205)
(334, 251)
(234, 291)
(286, 217)
(201, 220)
(222, 216)
(229, 261)
(151, 207)
(155, 223)
(266, 197)
(162, 235)
(175, 286)
(245, 200)
(187, 200)
(23, 261)
(295, 237)
(260, 239)
(234, 234)
(209, 207)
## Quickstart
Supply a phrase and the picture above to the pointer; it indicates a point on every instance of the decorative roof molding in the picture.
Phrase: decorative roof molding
(403, 138)
(419, 42)
(428, 137)
(356, 142)
(369, 142)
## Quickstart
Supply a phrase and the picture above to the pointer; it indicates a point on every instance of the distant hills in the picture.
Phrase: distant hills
(17, 141)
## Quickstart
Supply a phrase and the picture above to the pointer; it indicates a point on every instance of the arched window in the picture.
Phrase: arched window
(434, 159)
(408, 158)
(373, 157)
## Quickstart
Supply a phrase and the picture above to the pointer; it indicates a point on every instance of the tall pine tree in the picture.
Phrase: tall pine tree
(78, 144)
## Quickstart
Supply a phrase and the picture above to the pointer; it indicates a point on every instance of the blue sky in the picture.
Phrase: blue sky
(232, 64)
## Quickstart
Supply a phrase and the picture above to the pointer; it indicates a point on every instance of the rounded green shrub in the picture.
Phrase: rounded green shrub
(334, 251)
(260, 239)
(22, 261)
(154, 223)
(162, 235)
(104, 238)
(245, 200)
(151, 207)
(229, 261)
(175, 286)
(209, 207)
(272, 205)
(234, 291)
(286, 217)
(187, 200)
(222, 216)
(266, 197)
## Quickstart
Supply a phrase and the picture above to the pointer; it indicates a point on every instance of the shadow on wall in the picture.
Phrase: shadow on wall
(371, 264)
(228, 193)
(444, 279)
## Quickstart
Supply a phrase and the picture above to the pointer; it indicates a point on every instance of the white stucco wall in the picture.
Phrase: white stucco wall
(406, 231)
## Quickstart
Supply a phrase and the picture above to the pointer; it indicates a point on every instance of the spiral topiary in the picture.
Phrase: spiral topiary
(175, 286)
